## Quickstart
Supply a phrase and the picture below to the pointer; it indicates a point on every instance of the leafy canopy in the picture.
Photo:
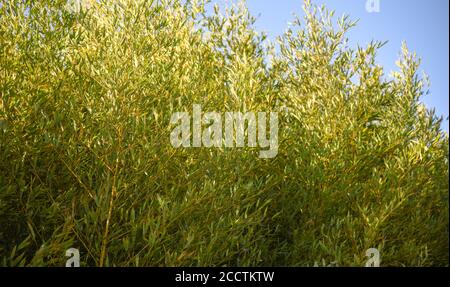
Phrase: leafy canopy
(87, 93)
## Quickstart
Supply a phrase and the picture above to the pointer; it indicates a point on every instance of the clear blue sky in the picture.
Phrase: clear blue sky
(423, 24)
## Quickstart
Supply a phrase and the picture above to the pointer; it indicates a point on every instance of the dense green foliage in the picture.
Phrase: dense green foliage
(86, 159)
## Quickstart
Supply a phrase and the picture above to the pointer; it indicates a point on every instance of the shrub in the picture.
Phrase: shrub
(87, 94)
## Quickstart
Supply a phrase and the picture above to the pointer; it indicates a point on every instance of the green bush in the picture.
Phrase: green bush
(86, 161)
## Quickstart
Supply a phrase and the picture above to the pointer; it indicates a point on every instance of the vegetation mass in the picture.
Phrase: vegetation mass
(86, 97)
